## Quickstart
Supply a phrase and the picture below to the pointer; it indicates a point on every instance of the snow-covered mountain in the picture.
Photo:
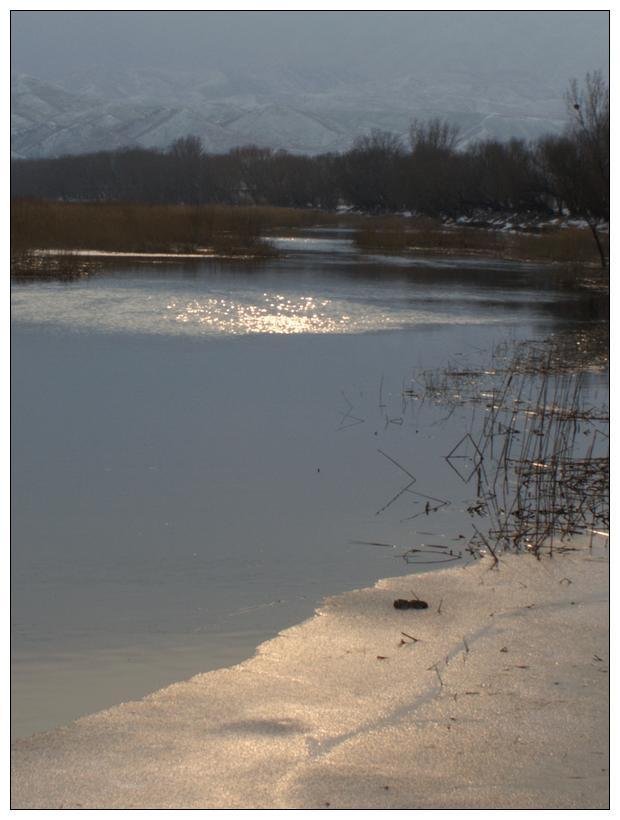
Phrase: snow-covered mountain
(302, 111)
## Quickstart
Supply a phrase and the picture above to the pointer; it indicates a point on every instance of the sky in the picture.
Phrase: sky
(557, 45)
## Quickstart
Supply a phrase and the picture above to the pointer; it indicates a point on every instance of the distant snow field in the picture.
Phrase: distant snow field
(274, 111)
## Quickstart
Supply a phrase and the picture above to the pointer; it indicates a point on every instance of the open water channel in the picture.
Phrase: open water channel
(196, 450)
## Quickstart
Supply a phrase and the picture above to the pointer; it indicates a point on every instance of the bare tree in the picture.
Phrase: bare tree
(589, 133)
(187, 149)
(590, 120)
(370, 176)
(434, 171)
(434, 134)
(187, 157)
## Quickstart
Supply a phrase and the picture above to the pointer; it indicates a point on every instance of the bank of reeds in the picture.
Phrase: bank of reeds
(139, 228)
(545, 244)
(243, 231)
(226, 231)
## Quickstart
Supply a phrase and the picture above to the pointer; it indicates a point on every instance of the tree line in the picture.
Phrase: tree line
(380, 173)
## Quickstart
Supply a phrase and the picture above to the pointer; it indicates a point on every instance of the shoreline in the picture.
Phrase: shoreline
(108, 230)
(493, 697)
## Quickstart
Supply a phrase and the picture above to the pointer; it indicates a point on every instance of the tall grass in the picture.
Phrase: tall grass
(151, 228)
(549, 244)
(242, 230)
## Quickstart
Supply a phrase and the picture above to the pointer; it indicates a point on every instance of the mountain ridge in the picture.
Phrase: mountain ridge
(297, 111)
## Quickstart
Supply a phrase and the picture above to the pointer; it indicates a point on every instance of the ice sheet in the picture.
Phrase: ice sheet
(495, 696)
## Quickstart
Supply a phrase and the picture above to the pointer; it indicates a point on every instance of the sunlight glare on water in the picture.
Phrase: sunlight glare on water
(207, 312)
(273, 313)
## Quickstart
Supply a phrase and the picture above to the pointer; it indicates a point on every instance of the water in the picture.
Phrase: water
(196, 449)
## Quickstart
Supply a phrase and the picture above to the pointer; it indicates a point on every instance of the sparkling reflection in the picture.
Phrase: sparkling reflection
(174, 310)
(271, 313)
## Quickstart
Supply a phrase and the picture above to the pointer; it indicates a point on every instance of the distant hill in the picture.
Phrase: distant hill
(301, 111)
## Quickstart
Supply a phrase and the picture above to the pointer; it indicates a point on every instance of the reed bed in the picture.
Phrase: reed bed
(548, 244)
(537, 455)
(243, 231)
(226, 231)
(137, 227)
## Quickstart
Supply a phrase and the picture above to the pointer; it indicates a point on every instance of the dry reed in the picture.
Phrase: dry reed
(549, 244)
(537, 454)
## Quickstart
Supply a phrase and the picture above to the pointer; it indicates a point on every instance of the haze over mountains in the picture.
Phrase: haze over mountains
(303, 82)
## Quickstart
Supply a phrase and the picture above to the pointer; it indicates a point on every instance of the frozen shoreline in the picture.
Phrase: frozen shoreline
(501, 701)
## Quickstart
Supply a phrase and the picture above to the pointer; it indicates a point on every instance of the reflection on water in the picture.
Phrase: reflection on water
(314, 244)
(195, 463)
(293, 295)
(271, 313)
(154, 308)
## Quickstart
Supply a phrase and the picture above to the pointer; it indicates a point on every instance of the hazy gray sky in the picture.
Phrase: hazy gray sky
(556, 44)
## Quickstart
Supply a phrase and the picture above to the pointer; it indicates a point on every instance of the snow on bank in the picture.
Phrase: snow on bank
(495, 696)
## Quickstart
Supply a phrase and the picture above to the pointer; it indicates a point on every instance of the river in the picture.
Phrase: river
(198, 450)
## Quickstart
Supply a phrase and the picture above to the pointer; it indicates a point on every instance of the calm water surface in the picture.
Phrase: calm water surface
(195, 450)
